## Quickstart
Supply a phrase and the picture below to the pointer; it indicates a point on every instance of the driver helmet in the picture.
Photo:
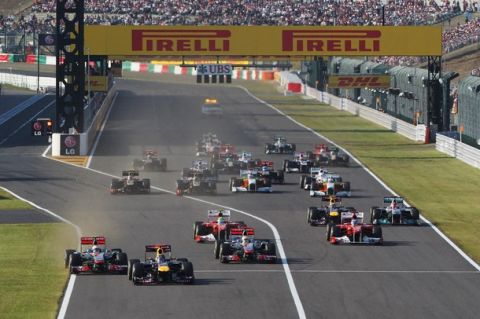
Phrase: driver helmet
(245, 240)
(330, 180)
(354, 220)
(393, 205)
(160, 256)
(264, 169)
(95, 249)
(221, 220)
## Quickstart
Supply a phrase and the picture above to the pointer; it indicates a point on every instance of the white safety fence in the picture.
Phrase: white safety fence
(413, 132)
(462, 151)
(28, 81)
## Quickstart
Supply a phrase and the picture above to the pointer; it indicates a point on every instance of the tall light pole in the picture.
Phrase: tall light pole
(88, 76)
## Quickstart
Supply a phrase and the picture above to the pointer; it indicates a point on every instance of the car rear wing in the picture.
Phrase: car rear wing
(97, 240)
(317, 170)
(150, 152)
(264, 163)
(390, 199)
(130, 173)
(346, 217)
(245, 155)
(301, 155)
(321, 147)
(153, 248)
(213, 214)
(236, 233)
(245, 172)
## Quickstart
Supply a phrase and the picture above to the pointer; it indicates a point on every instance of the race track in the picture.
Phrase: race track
(416, 274)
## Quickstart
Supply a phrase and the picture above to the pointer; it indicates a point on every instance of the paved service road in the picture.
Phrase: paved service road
(414, 275)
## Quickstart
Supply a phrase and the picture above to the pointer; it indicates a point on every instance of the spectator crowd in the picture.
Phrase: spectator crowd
(40, 17)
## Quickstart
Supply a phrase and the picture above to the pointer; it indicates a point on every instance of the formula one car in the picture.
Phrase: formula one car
(202, 167)
(242, 247)
(251, 181)
(226, 160)
(159, 267)
(217, 226)
(279, 146)
(198, 183)
(395, 214)
(150, 162)
(334, 212)
(212, 107)
(130, 184)
(329, 156)
(324, 183)
(301, 163)
(96, 259)
(265, 169)
(353, 231)
(208, 145)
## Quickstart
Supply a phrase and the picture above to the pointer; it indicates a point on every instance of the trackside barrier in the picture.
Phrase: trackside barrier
(414, 132)
(88, 137)
(461, 151)
(28, 81)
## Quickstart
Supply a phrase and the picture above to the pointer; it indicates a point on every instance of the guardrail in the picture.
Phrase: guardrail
(413, 132)
(462, 151)
(28, 81)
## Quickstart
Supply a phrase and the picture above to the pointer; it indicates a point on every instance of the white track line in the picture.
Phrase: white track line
(27, 122)
(71, 281)
(438, 231)
(340, 271)
(94, 148)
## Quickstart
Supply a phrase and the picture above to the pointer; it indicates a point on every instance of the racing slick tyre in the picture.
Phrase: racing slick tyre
(146, 184)
(75, 261)
(222, 235)
(281, 177)
(373, 214)
(302, 181)
(163, 164)
(328, 233)
(310, 214)
(121, 259)
(68, 252)
(224, 251)
(415, 213)
(138, 271)
(346, 186)
(377, 232)
(199, 230)
(285, 165)
(216, 248)
(131, 262)
(187, 270)
(271, 250)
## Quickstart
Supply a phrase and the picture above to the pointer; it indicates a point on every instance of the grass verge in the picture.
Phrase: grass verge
(32, 275)
(8, 202)
(445, 189)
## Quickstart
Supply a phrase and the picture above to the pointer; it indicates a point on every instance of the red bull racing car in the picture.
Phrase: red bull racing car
(95, 259)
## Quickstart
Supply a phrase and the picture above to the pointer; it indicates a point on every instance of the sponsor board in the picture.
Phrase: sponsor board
(358, 81)
(263, 41)
(214, 69)
(98, 83)
(69, 144)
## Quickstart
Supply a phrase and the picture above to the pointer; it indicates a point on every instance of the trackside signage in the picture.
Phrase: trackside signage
(358, 81)
(262, 41)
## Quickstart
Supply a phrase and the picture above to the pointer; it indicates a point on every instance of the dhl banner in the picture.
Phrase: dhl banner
(358, 81)
(263, 41)
(98, 83)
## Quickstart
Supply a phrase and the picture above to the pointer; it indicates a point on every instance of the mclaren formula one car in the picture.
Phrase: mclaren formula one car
(242, 247)
(395, 214)
(280, 146)
(217, 226)
(95, 259)
(160, 268)
(251, 181)
(329, 156)
(354, 231)
(334, 212)
(301, 163)
(150, 162)
(130, 184)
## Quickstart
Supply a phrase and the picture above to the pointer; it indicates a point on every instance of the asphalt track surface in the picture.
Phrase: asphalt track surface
(9, 98)
(416, 274)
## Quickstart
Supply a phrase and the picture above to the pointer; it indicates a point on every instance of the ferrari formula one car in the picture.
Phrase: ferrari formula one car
(242, 247)
(334, 212)
(212, 107)
(197, 183)
(130, 184)
(322, 183)
(251, 181)
(301, 163)
(353, 231)
(395, 214)
(329, 156)
(95, 259)
(159, 267)
(279, 146)
(150, 162)
(217, 226)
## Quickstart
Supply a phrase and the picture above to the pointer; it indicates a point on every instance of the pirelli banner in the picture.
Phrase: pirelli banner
(358, 81)
(262, 41)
